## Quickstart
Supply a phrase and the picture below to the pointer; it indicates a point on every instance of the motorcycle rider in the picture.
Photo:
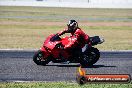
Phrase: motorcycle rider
(82, 38)
(72, 27)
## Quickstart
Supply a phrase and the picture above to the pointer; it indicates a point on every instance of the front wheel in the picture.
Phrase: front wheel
(90, 57)
(39, 59)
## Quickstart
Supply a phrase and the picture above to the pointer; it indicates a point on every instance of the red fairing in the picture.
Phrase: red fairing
(69, 41)
(47, 46)
(77, 39)
(49, 43)
(46, 54)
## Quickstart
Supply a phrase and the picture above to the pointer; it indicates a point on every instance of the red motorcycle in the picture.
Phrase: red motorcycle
(53, 50)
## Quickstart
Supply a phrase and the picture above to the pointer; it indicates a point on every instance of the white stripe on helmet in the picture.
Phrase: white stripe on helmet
(73, 23)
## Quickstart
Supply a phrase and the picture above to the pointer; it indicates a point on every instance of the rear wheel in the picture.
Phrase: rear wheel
(39, 59)
(90, 57)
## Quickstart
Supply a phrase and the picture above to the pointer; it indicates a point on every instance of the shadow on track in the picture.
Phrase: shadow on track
(65, 65)
(78, 65)
(99, 66)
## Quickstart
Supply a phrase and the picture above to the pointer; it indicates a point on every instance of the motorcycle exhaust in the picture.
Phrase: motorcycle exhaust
(96, 40)
(101, 40)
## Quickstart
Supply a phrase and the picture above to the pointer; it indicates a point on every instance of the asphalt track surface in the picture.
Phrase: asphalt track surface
(17, 65)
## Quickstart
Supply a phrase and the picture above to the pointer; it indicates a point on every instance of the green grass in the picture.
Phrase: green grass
(39, 11)
(62, 14)
(61, 85)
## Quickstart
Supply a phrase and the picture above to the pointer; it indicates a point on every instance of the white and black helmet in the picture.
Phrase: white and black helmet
(72, 25)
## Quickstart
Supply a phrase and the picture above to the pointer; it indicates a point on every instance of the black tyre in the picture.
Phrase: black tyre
(81, 79)
(39, 59)
(90, 57)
